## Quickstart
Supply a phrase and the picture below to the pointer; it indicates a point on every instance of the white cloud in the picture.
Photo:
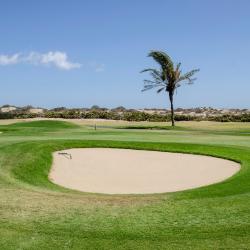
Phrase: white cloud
(9, 59)
(98, 67)
(57, 58)
(52, 58)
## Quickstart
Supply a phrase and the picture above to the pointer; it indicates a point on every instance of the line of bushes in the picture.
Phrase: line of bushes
(13, 115)
(127, 116)
(231, 118)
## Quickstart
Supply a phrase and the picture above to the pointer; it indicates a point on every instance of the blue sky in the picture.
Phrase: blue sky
(81, 53)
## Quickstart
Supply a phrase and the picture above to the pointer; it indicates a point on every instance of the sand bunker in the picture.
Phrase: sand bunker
(124, 171)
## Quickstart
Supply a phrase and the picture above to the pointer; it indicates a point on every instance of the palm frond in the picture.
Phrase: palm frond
(178, 66)
(160, 90)
(189, 74)
(191, 80)
(162, 58)
(148, 84)
(157, 75)
(148, 87)
(165, 62)
(149, 69)
(187, 77)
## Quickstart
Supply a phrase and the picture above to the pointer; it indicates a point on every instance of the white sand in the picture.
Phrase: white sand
(123, 171)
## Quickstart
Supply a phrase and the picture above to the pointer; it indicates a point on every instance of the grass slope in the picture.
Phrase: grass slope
(37, 214)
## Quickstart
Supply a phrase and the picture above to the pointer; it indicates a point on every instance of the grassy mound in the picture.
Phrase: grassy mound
(35, 127)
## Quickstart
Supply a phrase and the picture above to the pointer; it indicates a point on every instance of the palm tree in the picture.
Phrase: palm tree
(168, 78)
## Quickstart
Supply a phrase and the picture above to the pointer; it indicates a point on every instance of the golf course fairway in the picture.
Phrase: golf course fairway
(36, 213)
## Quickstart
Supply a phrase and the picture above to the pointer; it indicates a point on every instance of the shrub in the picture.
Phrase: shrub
(129, 115)
(6, 116)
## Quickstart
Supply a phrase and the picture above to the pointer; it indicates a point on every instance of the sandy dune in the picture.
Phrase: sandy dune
(123, 171)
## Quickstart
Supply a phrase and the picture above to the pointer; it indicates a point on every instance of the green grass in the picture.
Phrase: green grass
(35, 127)
(37, 214)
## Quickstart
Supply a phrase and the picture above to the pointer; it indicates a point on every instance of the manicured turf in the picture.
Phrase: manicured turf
(37, 214)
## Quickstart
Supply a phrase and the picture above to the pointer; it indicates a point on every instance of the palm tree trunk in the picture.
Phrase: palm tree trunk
(172, 107)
